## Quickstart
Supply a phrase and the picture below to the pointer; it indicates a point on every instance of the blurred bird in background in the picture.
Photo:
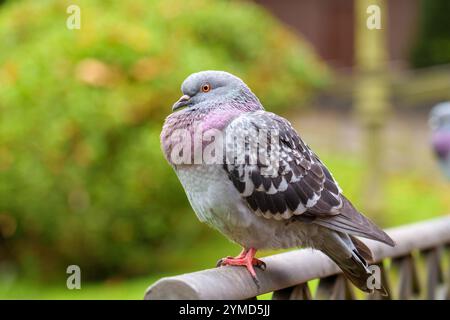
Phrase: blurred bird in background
(440, 136)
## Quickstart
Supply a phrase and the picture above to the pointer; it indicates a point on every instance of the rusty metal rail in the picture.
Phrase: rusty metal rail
(417, 261)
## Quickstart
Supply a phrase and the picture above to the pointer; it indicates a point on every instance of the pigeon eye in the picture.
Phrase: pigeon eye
(206, 87)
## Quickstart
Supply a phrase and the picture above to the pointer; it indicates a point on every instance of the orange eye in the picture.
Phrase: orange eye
(206, 87)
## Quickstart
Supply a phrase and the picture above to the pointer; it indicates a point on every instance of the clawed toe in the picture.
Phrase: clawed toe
(260, 264)
(246, 259)
(220, 262)
(256, 281)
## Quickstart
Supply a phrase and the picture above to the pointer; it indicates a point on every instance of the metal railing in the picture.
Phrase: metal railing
(416, 262)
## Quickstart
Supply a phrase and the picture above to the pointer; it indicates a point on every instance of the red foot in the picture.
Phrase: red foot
(245, 258)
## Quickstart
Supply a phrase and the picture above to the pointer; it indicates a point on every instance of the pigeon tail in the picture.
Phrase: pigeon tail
(352, 257)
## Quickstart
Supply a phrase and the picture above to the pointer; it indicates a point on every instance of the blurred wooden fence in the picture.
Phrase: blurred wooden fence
(417, 260)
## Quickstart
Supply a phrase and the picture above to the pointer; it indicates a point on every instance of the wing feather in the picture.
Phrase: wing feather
(298, 182)
(295, 184)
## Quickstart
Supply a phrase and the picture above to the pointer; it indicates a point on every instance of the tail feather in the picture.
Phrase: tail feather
(350, 255)
(351, 221)
(362, 249)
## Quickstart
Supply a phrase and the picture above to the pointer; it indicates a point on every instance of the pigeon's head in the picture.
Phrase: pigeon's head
(208, 88)
(440, 117)
(440, 126)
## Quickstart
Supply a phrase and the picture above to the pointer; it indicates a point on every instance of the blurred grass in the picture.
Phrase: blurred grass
(126, 290)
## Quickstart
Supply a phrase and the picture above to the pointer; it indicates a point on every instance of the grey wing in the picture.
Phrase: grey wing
(293, 181)
(281, 178)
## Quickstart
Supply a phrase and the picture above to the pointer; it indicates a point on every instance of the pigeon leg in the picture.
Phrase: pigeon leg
(245, 258)
(241, 255)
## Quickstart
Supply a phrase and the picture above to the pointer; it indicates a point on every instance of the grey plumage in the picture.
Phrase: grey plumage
(271, 191)
(301, 186)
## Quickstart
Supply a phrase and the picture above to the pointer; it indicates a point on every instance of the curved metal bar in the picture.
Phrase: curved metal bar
(292, 268)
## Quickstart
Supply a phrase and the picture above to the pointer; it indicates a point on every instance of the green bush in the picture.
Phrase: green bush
(83, 180)
(433, 41)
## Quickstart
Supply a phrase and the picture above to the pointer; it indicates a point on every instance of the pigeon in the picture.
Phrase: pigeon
(440, 137)
(260, 185)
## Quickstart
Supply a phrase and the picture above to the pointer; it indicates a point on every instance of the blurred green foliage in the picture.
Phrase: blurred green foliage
(433, 39)
(82, 177)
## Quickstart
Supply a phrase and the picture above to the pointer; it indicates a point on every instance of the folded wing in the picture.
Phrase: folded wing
(281, 178)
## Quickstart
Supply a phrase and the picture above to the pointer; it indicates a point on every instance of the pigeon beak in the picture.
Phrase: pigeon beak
(183, 101)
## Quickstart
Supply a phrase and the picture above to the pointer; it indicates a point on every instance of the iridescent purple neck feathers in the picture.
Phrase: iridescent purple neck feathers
(206, 116)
